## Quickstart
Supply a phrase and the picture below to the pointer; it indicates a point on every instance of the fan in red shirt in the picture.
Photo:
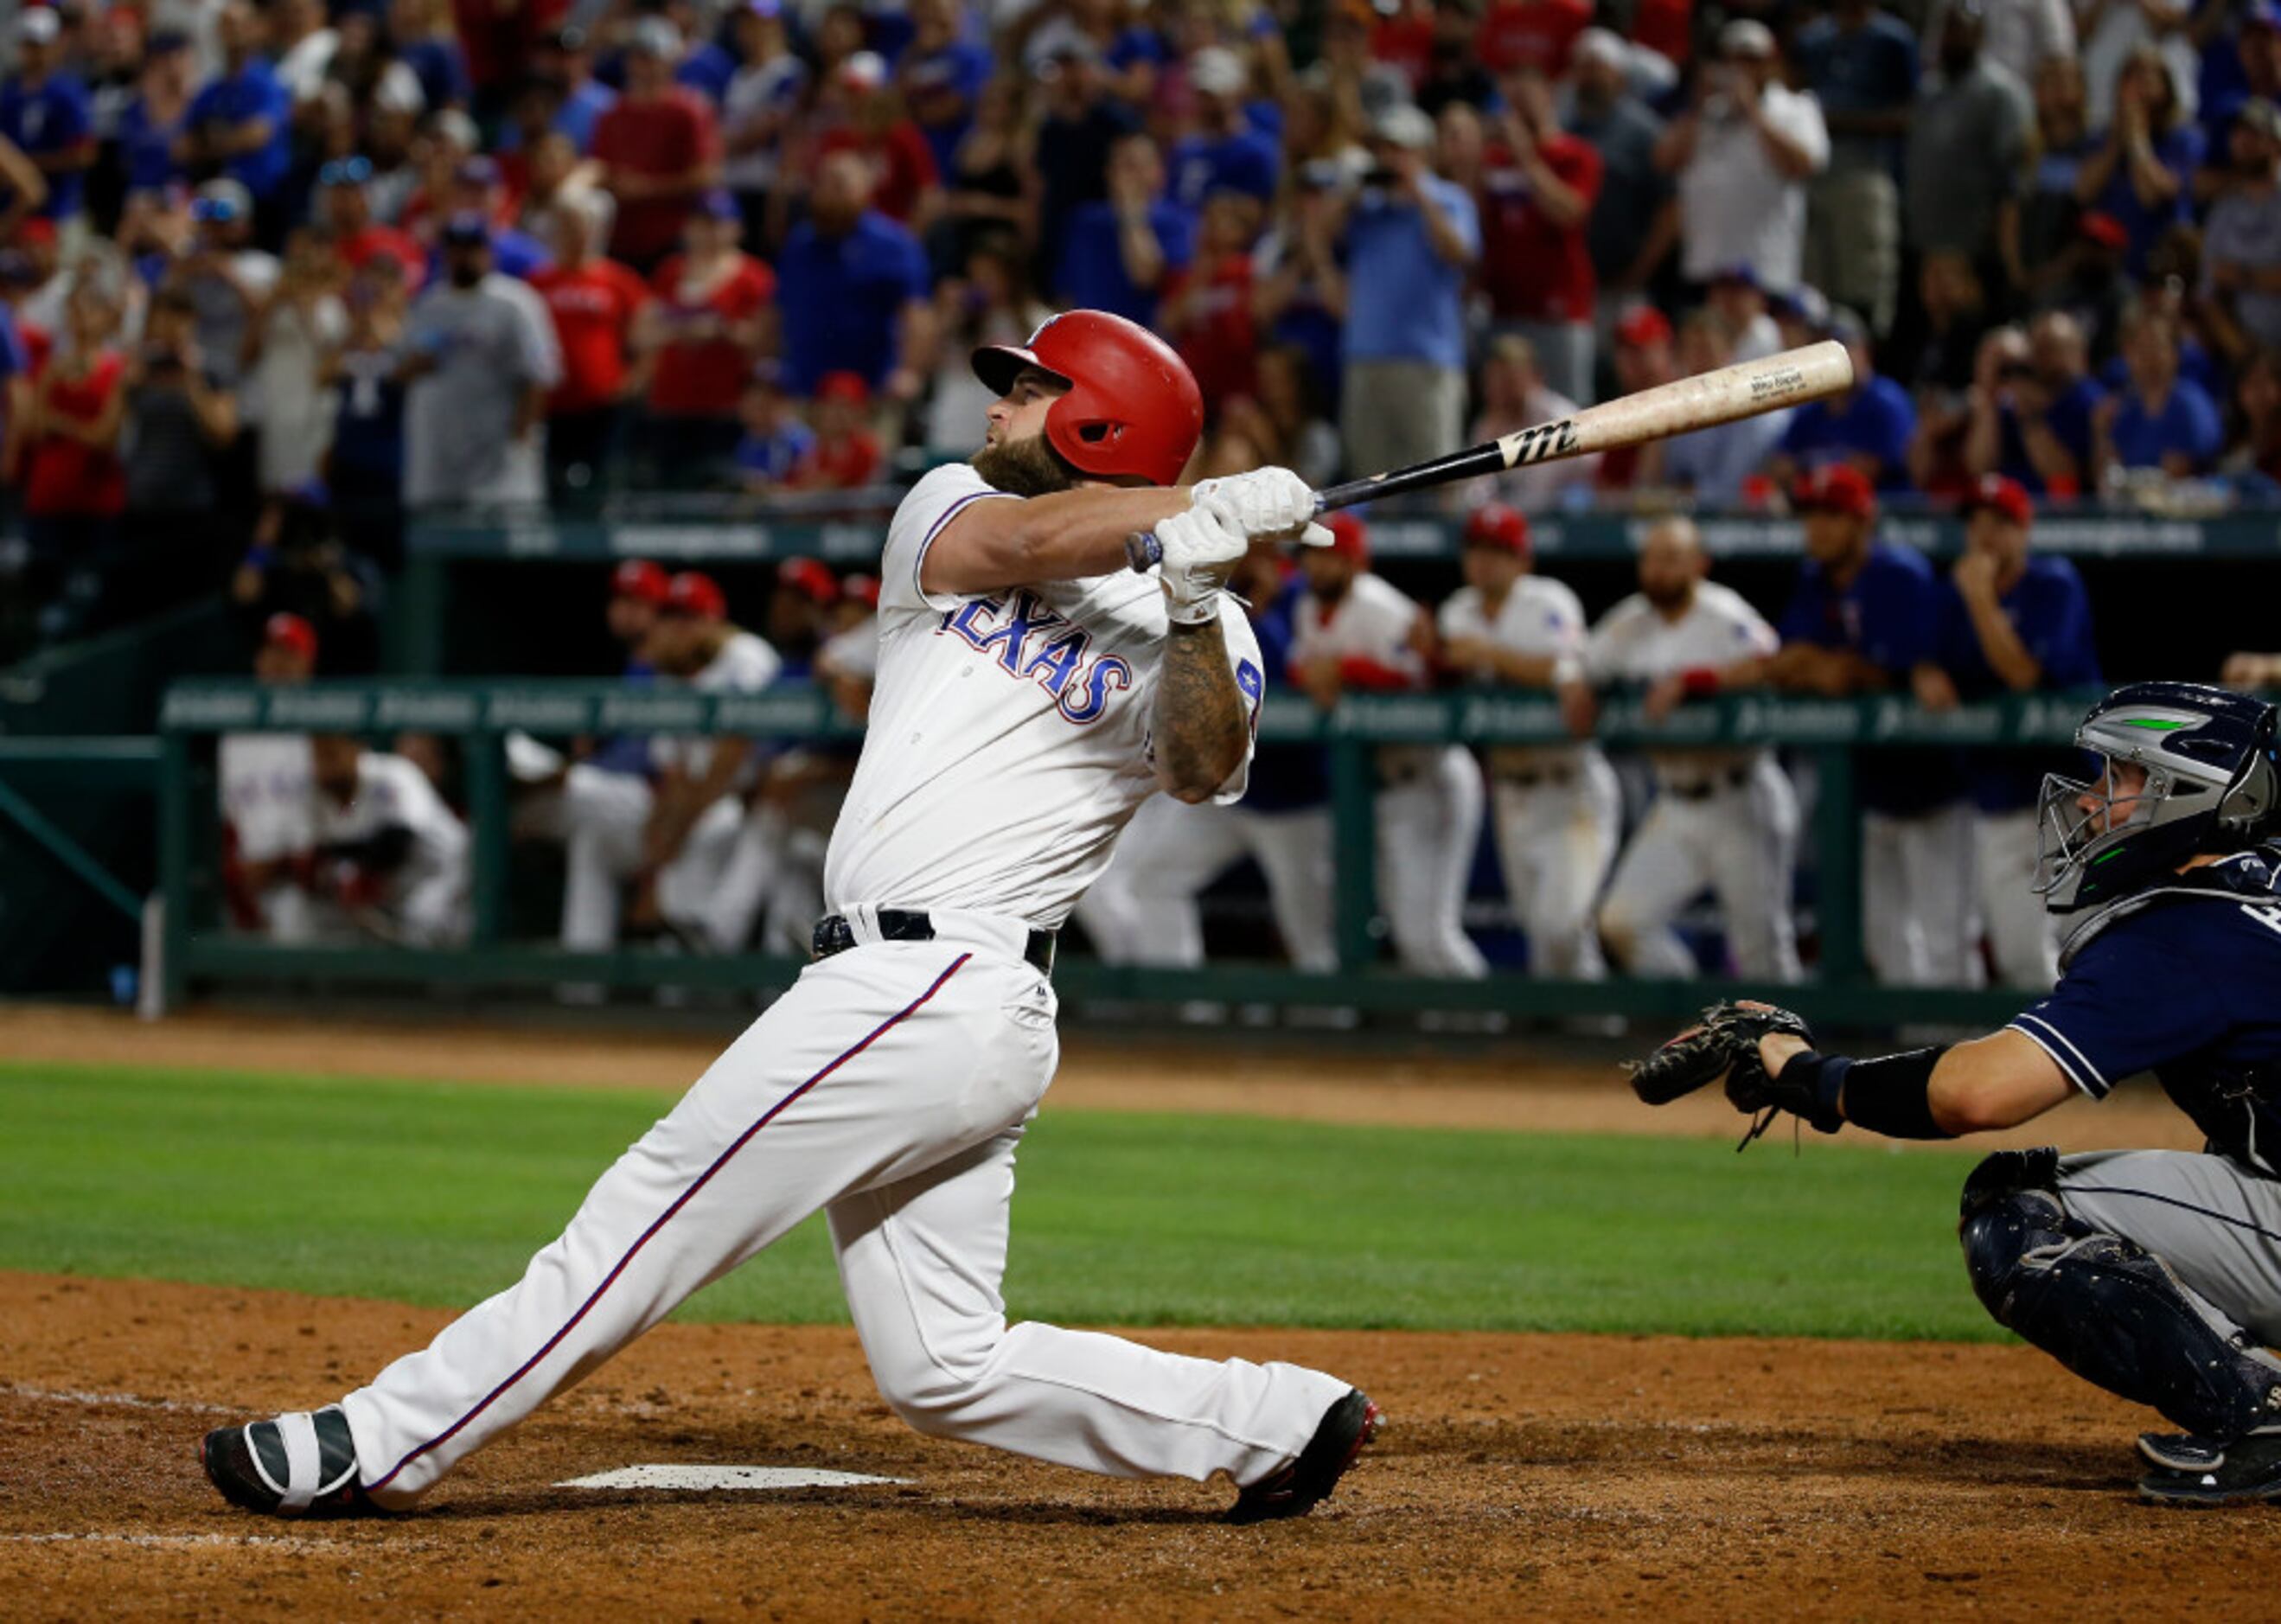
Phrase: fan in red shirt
(1403, 38)
(1644, 359)
(345, 208)
(74, 487)
(709, 320)
(660, 148)
(1537, 190)
(594, 303)
(910, 186)
(1533, 34)
(846, 456)
(1209, 319)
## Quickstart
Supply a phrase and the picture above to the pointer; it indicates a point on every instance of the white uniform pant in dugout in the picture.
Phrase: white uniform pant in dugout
(1918, 897)
(1429, 821)
(1556, 835)
(1733, 832)
(1143, 911)
(888, 1086)
(603, 817)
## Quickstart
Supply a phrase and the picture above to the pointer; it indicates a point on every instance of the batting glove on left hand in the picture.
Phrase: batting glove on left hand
(1200, 549)
(1271, 504)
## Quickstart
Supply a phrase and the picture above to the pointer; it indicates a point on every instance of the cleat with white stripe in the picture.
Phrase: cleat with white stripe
(298, 1464)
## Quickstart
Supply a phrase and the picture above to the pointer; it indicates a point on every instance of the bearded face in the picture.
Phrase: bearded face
(1027, 466)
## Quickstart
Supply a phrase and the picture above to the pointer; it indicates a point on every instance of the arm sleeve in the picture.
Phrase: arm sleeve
(930, 506)
(1250, 669)
(2133, 1001)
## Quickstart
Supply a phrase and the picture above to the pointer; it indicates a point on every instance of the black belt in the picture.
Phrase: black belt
(833, 935)
(1528, 778)
(1704, 789)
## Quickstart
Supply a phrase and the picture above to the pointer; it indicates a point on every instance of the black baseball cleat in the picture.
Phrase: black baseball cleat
(2181, 1451)
(1308, 1480)
(298, 1464)
(2247, 1469)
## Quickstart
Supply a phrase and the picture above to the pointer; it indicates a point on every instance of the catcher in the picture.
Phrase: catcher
(2154, 1274)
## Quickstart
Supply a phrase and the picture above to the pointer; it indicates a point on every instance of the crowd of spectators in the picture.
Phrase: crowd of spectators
(428, 253)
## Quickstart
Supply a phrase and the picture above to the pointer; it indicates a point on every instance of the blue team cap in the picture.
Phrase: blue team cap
(166, 43)
(465, 230)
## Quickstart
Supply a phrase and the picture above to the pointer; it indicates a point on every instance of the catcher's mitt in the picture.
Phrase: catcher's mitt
(1725, 1043)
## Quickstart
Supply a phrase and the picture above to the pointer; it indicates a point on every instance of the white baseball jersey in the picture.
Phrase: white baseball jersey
(1009, 737)
(854, 652)
(265, 792)
(1635, 643)
(746, 664)
(1537, 617)
(392, 791)
(1373, 622)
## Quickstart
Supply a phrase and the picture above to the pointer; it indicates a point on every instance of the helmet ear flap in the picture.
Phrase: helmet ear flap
(2249, 805)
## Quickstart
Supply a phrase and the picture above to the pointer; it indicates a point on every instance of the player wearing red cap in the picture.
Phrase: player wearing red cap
(1723, 819)
(1557, 808)
(264, 780)
(1032, 692)
(2009, 623)
(1861, 621)
(672, 837)
(1356, 630)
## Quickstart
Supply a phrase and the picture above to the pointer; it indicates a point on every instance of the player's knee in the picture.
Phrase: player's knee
(933, 1389)
(2009, 1211)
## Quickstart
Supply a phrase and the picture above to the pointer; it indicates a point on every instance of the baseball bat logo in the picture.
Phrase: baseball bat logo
(1543, 441)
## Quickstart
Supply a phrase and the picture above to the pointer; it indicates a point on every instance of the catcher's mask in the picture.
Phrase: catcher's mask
(2211, 786)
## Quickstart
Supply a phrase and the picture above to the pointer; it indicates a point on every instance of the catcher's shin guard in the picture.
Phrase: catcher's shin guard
(2104, 1306)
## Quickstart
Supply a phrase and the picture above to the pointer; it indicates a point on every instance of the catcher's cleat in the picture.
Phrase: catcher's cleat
(298, 1464)
(2181, 1451)
(1308, 1480)
(2249, 1469)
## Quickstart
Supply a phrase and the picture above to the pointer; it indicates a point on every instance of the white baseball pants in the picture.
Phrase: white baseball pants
(1740, 843)
(1917, 896)
(2020, 937)
(1143, 910)
(1427, 828)
(1555, 843)
(604, 816)
(889, 1087)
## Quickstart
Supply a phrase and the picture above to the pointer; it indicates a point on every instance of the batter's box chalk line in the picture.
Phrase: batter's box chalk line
(693, 1475)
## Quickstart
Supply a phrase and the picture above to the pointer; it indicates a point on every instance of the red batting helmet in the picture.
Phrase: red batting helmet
(1495, 525)
(1132, 407)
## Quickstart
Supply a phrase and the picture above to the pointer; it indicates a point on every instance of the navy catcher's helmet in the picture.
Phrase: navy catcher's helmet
(2211, 786)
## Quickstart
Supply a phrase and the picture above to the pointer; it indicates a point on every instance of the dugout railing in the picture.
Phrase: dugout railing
(195, 951)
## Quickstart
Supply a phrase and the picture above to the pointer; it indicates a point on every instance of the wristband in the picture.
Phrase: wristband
(1699, 682)
(1886, 1095)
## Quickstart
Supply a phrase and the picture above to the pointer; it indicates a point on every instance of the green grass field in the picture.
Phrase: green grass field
(436, 1194)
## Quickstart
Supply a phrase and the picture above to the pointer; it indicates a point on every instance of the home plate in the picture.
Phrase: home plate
(704, 1477)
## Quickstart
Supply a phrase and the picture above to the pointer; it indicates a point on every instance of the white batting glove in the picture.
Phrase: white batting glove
(1201, 549)
(1266, 502)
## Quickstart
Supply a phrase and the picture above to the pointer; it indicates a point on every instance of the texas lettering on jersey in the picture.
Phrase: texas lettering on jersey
(1030, 640)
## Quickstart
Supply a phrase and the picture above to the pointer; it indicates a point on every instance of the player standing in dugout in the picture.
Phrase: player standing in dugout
(2155, 1275)
(1032, 692)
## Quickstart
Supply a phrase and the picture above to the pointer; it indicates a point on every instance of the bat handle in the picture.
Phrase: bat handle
(1144, 552)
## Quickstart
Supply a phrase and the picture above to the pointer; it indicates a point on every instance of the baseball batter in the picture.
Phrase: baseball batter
(1725, 820)
(2154, 1275)
(1032, 692)
(1558, 809)
(1356, 630)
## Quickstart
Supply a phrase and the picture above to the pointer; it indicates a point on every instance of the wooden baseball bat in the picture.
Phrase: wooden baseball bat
(1744, 389)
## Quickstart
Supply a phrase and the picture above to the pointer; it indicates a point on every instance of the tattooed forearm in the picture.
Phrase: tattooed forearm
(1198, 728)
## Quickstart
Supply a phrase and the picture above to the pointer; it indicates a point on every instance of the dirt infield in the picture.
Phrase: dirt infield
(1562, 1476)
(1572, 1477)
